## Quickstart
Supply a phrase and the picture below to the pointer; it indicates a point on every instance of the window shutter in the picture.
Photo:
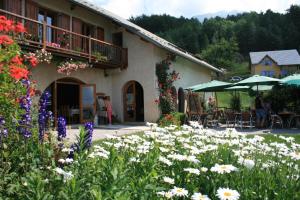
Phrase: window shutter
(63, 21)
(32, 11)
(100, 34)
(14, 6)
(77, 28)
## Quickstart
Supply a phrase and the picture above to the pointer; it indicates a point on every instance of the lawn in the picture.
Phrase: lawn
(225, 97)
(278, 138)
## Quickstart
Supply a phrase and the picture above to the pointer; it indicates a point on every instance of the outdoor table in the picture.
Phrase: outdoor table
(286, 116)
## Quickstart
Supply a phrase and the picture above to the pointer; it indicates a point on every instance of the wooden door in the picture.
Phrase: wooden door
(77, 40)
(129, 102)
(87, 103)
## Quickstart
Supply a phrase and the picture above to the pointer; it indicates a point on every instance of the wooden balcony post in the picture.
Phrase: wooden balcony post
(90, 49)
(44, 34)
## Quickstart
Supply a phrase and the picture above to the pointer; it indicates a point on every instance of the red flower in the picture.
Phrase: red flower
(33, 61)
(18, 73)
(8, 25)
(5, 40)
(19, 28)
(16, 60)
(156, 101)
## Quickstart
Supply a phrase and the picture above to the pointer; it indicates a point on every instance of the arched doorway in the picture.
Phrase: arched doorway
(72, 99)
(181, 100)
(133, 98)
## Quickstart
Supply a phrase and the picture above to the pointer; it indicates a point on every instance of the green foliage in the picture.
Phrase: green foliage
(165, 79)
(175, 118)
(235, 102)
(282, 98)
(222, 53)
(245, 32)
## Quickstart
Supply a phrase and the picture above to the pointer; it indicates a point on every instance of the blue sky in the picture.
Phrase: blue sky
(189, 8)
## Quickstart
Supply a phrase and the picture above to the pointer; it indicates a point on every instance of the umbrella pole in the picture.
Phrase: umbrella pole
(257, 89)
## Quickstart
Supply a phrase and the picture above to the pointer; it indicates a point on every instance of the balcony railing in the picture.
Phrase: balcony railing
(66, 43)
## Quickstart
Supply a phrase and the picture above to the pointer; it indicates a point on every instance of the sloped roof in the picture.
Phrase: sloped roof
(282, 57)
(148, 36)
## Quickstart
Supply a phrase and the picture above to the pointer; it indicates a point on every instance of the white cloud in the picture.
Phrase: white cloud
(189, 8)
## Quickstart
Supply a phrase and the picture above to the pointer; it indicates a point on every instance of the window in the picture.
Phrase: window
(268, 73)
(283, 72)
(267, 62)
(44, 16)
(117, 39)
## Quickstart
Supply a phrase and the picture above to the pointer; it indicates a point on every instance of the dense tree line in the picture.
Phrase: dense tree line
(225, 42)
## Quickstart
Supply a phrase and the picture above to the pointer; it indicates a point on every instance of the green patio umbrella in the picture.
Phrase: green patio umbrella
(212, 86)
(257, 80)
(295, 82)
(291, 77)
(238, 88)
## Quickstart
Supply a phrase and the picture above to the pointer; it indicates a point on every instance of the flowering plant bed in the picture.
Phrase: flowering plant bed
(69, 66)
(185, 162)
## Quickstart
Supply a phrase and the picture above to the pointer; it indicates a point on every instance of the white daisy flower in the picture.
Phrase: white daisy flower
(179, 192)
(227, 194)
(192, 170)
(169, 180)
(222, 169)
(203, 169)
(69, 160)
(246, 162)
(199, 196)
(62, 161)
(295, 155)
(167, 195)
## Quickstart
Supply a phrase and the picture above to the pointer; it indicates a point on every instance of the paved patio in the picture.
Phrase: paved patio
(255, 131)
(101, 132)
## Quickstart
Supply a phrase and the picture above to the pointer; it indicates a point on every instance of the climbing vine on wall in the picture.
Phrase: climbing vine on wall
(165, 78)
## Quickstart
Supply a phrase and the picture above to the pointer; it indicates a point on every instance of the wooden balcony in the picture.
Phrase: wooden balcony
(68, 44)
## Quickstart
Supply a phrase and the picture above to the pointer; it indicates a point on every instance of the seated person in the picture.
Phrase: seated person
(260, 112)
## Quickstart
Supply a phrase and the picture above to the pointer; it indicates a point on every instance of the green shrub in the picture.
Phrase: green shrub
(175, 118)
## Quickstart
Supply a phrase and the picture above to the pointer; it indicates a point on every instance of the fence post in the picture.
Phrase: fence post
(44, 34)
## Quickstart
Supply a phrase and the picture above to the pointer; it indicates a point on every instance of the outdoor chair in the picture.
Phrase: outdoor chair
(230, 118)
(245, 120)
(212, 120)
(275, 120)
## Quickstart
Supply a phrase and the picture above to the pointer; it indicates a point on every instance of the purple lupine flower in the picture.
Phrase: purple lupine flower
(25, 104)
(89, 128)
(3, 130)
(44, 115)
(61, 128)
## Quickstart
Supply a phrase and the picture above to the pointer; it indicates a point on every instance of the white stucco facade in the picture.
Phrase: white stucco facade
(142, 59)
